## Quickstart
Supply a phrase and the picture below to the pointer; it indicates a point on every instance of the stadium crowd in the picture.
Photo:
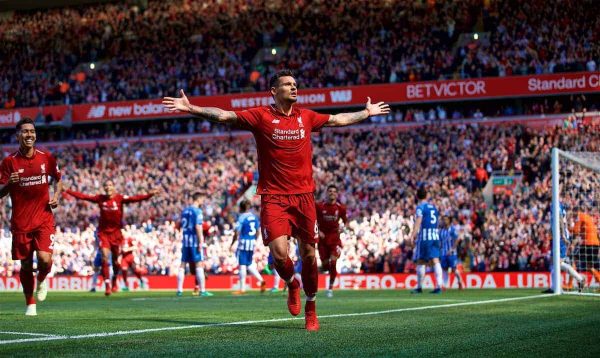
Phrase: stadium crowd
(377, 172)
(116, 51)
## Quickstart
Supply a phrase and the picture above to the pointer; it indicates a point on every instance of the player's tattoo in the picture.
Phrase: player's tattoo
(213, 114)
(344, 119)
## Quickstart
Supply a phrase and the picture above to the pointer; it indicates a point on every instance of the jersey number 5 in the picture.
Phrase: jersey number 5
(433, 218)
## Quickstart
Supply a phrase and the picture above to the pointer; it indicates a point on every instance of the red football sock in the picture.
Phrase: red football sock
(124, 273)
(332, 273)
(28, 284)
(114, 278)
(310, 277)
(138, 274)
(105, 271)
(286, 271)
(43, 271)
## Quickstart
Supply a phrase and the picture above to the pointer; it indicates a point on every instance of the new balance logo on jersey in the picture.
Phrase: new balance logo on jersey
(96, 112)
(275, 121)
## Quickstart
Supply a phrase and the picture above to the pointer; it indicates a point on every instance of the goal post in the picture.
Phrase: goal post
(575, 219)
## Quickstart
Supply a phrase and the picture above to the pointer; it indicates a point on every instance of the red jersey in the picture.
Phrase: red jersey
(111, 208)
(284, 147)
(30, 196)
(128, 246)
(328, 217)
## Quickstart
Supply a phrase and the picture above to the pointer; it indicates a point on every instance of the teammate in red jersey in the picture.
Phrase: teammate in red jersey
(110, 225)
(329, 214)
(282, 133)
(25, 175)
(128, 261)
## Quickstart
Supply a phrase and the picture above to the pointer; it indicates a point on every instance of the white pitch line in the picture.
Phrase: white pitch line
(240, 323)
(28, 334)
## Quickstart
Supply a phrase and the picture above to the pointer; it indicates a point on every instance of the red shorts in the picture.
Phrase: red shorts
(110, 239)
(289, 215)
(127, 260)
(24, 244)
(328, 248)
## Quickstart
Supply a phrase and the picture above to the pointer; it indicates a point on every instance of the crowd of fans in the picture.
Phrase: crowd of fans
(377, 172)
(111, 52)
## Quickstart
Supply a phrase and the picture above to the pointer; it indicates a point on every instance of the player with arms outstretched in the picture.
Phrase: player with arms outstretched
(450, 240)
(110, 225)
(283, 140)
(247, 229)
(192, 250)
(329, 214)
(427, 246)
(25, 175)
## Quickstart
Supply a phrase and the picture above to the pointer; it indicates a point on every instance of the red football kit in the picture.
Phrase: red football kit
(285, 171)
(127, 259)
(111, 216)
(32, 222)
(328, 216)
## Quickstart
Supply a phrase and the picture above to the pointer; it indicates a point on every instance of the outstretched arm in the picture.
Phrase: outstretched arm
(346, 119)
(140, 197)
(213, 114)
(81, 196)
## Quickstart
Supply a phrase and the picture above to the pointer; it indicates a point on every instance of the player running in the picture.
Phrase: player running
(192, 250)
(427, 246)
(110, 225)
(450, 240)
(25, 175)
(247, 230)
(283, 140)
(329, 214)
(128, 261)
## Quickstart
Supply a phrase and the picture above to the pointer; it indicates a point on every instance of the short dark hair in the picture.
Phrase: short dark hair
(244, 205)
(332, 186)
(197, 195)
(421, 192)
(25, 120)
(282, 73)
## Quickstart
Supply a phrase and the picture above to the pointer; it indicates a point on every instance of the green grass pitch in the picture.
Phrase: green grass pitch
(353, 323)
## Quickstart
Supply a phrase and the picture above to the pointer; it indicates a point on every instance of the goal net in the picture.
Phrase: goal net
(575, 222)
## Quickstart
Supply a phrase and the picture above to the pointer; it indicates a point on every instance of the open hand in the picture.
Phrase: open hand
(174, 104)
(377, 108)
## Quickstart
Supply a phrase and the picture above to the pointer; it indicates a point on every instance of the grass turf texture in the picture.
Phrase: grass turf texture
(549, 326)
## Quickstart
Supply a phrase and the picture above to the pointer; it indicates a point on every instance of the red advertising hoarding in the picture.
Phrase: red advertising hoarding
(9, 117)
(395, 93)
(492, 280)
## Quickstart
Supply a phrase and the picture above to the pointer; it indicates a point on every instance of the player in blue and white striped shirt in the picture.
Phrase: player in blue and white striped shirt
(427, 246)
(192, 250)
(565, 240)
(449, 238)
(247, 230)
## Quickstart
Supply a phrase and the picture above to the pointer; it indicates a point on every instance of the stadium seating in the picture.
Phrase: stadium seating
(203, 46)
